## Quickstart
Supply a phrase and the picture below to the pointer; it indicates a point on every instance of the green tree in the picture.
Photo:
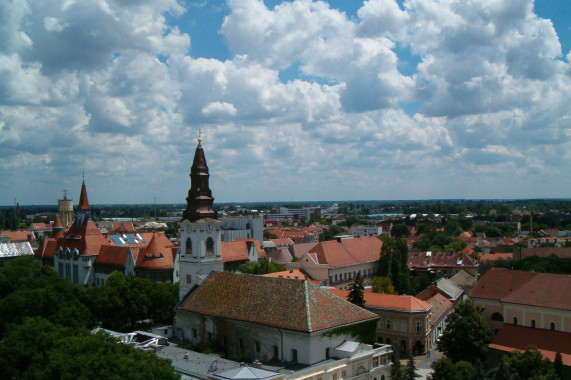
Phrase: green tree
(331, 232)
(400, 230)
(393, 263)
(467, 335)
(410, 371)
(356, 291)
(396, 368)
(39, 349)
(530, 364)
(261, 266)
(558, 365)
(501, 372)
(382, 285)
(268, 235)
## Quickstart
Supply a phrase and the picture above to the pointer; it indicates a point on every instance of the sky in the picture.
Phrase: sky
(296, 100)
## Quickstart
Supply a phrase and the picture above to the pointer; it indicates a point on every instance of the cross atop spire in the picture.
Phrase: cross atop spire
(199, 136)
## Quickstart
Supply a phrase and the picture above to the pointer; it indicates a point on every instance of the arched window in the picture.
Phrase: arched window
(515, 321)
(552, 326)
(209, 245)
(497, 317)
(188, 246)
(533, 323)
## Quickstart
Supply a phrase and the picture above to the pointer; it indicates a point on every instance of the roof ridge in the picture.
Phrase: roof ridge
(307, 309)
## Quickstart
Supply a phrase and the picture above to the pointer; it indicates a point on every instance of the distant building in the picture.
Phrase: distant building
(446, 264)
(65, 210)
(86, 256)
(242, 228)
(360, 231)
(337, 262)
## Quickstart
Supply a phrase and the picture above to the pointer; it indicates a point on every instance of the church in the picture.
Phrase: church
(257, 317)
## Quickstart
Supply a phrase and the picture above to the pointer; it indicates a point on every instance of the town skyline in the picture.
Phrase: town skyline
(298, 100)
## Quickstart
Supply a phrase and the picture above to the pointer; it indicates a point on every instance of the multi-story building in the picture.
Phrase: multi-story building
(359, 231)
(242, 228)
(337, 262)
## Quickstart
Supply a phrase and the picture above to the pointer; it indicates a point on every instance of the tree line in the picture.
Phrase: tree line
(45, 322)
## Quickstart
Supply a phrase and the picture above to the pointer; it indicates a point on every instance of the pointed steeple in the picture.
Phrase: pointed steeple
(57, 229)
(199, 201)
(83, 208)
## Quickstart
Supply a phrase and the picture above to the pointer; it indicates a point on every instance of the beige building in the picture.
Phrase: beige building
(536, 300)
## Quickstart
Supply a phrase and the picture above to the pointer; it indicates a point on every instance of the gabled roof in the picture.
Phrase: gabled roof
(440, 305)
(112, 255)
(498, 283)
(525, 288)
(17, 236)
(387, 301)
(272, 301)
(15, 249)
(337, 253)
(299, 250)
(234, 251)
(463, 278)
(296, 274)
(549, 342)
(448, 287)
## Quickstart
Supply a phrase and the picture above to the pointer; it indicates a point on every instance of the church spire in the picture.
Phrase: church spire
(199, 201)
(83, 207)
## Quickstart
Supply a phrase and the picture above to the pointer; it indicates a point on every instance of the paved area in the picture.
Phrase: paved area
(424, 363)
(194, 365)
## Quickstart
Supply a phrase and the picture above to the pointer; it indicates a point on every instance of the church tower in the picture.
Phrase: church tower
(200, 232)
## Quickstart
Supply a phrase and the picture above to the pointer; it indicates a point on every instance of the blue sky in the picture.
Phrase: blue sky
(298, 100)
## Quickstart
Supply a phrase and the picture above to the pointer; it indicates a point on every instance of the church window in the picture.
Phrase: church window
(188, 246)
(209, 245)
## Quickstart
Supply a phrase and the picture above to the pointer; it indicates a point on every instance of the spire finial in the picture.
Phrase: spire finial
(199, 136)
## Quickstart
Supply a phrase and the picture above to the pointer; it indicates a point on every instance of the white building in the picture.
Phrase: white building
(360, 231)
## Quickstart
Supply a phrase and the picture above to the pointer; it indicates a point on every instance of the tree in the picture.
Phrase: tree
(39, 349)
(467, 334)
(383, 285)
(268, 235)
(558, 365)
(356, 292)
(396, 369)
(393, 263)
(530, 364)
(410, 371)
(261, 266)
(400, 230)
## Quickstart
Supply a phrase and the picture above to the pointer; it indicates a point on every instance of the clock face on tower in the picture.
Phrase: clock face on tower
(209, 228)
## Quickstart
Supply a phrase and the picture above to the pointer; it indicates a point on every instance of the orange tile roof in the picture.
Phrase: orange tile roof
(157, 254)
(526, 288)
(16, 236)
(272, 301)
(549, 342)
(387, 301)
(113, 255)
(234, 251)
(347, 251)
(440, 305)
(293, 274)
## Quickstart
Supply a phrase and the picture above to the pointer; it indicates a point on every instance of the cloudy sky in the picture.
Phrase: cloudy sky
(297, 100)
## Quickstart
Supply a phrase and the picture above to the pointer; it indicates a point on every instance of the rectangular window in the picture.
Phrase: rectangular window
(188, 279)
(388, 324)
(294, 355)
(403, 326)
(344, 373)
(334, 376)
(75, 274)
(258, 348)
(418, 327)
(395, 325)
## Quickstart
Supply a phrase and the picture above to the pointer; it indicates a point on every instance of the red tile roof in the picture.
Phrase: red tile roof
(526, 288)
(83, 202)
(424, 260)
(440, 305)
(272, 301)
(113, 255)
(549, 342)
(18, 236)
(294, 274)
(387, 301)
(347, 251)
(491, 257)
